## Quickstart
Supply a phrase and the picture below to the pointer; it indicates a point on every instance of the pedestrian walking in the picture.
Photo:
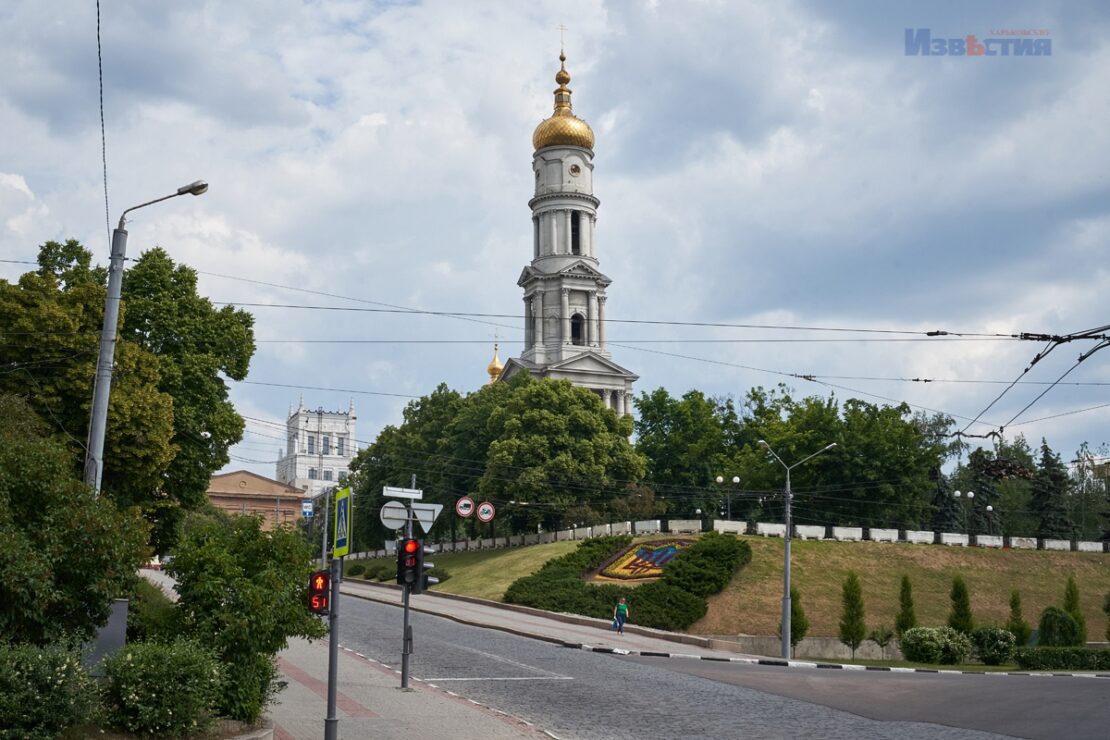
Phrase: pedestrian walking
(620, 615)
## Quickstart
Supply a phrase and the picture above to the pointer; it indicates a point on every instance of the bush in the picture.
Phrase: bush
(165, 689)
(935, 645)
(1017, 623)
(673, 603)
(1071, 606)
(354, 570)
(150, 614)
(1106, 611)
(243, 591)
(43, 691)
(994, 645)
(1058, 629)
(441, 573)
(1062, 658)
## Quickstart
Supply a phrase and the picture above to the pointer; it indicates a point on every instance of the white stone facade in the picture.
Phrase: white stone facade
(319, 448)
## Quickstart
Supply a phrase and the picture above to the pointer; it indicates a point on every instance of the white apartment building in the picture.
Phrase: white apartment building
(319, 448)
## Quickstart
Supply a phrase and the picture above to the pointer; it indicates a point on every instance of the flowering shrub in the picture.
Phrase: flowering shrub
(162, 689)
(645, 560)
(937, 645)
(43, 691)
(994, 645)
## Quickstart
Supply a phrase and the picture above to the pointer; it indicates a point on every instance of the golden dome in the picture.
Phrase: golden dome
(563, 128)
(495, 367)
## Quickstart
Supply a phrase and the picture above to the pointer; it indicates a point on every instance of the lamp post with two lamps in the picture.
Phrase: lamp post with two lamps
(970, 496)
(786, 549)
(728, 494)
(102, 385)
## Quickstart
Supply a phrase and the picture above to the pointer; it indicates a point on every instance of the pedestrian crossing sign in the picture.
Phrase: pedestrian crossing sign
(342, 539)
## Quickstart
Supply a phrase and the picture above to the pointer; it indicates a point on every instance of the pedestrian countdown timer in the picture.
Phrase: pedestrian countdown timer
(319, 592)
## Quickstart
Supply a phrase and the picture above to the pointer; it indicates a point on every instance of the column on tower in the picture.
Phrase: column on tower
(567, 247)
(527, 322)
(535, 237)
(593, 236)
(554, 232)
(591, 319)
(584, 221)
(537, 319)
(601, 321)
(564, 314)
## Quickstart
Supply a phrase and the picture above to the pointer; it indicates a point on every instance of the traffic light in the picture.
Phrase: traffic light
(319, 592)
(422, 580)
(408, 562)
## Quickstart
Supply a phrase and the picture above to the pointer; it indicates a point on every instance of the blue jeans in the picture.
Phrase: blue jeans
(620, 622)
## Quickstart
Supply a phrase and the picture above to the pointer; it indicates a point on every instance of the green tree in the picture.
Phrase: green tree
(1058, 629)
(685, 442)
(1016, 623)
(947, 516)
(959, 618)
(52, 322)
(1071, 606)
(882, 636)
(64, 555)
(242, 592)
(853, 627)
(198, 346)
(799, 624)
(558, 446)
(906, 619)
(983, 482)
(1050, 490)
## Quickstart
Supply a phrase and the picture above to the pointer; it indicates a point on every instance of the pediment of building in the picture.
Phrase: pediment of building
(590, 362)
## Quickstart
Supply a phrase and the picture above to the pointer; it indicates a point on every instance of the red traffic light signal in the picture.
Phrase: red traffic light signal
(408, 564)
(319, 592)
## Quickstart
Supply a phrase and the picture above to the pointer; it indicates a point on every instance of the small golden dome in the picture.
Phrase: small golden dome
(495, 367)
(563, 128)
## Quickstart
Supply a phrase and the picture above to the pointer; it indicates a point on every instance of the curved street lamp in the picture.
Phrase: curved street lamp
(786, 549)
(102, 385)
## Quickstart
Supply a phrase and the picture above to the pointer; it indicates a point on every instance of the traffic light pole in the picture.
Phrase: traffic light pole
(331, 722)
(406, 640)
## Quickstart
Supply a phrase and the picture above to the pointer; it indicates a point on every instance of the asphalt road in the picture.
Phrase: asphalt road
(1038, 707)
(578, 694)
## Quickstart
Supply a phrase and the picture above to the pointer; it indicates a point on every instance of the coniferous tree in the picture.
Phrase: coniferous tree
(799, 624)
(947, 516)
(1106, 611)
(853, 629)
(1017, 624)
(960, 617)
(1050, 490)
(906, 619)
(1071, 606)
(983, 484)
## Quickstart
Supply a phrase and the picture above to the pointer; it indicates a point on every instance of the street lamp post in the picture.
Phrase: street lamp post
(963, 508)
(102, 385)
(728, 493)
(786, 549)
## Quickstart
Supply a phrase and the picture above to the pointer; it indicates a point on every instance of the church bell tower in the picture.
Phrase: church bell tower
(564, 289)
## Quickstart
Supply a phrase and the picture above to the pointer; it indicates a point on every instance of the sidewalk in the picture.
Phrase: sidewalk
(370, 703)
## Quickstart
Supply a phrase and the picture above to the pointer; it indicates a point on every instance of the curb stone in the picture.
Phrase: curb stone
(808, 664)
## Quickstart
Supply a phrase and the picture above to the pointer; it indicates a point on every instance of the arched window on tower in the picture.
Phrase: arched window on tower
(575, 233)
(577, 329)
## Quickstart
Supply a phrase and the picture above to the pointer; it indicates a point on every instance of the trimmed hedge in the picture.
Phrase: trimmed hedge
(674, 602)
(1062, 658)
(43, 691)
(935, 645)
(355, 570)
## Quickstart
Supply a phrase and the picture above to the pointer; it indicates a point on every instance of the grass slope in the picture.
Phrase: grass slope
(752, 603)
(486, 574)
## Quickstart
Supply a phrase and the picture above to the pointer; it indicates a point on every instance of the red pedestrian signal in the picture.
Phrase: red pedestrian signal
(408, 562)
(319, 592)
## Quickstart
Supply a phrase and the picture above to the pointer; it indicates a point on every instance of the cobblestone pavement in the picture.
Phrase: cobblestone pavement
(576, 694)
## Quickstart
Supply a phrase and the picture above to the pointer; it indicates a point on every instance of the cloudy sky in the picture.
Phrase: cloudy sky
(783, 164)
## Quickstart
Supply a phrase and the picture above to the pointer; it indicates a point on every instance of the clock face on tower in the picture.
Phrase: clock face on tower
(575, 170)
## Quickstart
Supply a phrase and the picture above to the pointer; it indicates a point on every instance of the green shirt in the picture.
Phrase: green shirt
(622, 610)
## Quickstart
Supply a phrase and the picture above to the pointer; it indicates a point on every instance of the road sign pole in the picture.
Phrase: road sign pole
(331, 722)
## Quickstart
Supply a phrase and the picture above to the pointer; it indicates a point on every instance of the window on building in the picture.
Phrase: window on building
(342, 475)
(341, 446)
(575, 232)
(577, 329)
(311, 444)
(312, 473)
(327, 475)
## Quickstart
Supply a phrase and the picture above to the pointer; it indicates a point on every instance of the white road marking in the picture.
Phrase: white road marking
(505, 678)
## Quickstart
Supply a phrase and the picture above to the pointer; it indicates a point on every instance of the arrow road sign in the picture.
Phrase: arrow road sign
(486, 511)
(394, 515)
(392, 492)
(426, 514)
(464, 507)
